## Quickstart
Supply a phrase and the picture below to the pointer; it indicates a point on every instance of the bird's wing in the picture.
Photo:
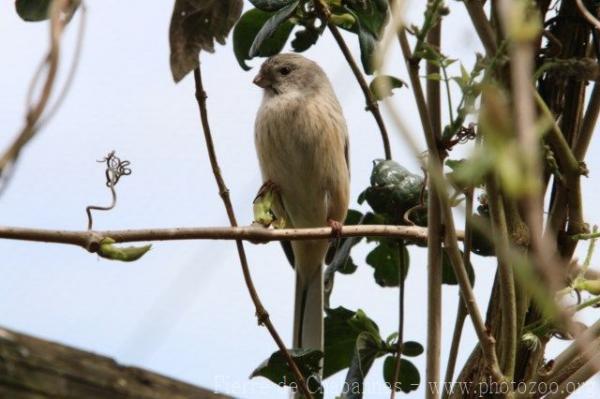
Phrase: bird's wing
(289, 253)
(347, 153)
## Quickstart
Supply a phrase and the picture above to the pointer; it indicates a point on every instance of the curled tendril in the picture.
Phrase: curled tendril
(463, 135)
(466, 133)
(115, 168)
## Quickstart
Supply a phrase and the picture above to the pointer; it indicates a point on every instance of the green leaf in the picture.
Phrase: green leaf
(338, 257)
(353, 217)
(389, 341)
(482, 246)
(367, 42)
(412, 348)
(472, 171)
(393, 191)
(367, 39)
(305, 38)
(372, 218)
(448, 276)
(387, 258)
(408, 378)
(342, 328)
(372, 15)
(348, 267)
(110, 251)
(409, 348)
(195, 25)
(271, 26)
(383, 85)
(246, 31)
(361, 322)
(454, 164)
(366, 350)
(263, 206)
(276, 369)
(270, 5)
(465, 77)
(591, 286)
(39, 10)
(345, 21)
(33, 10)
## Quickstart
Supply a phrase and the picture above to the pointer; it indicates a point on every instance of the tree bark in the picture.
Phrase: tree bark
(31, 368)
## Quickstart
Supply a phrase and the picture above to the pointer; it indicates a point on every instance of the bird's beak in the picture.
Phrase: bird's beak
(261, 81)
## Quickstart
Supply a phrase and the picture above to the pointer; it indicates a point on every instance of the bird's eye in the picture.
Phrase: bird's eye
(284, 71)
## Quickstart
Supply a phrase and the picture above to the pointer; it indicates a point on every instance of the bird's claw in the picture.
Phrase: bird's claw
(267, 186)
(258, 226)
(336, 228)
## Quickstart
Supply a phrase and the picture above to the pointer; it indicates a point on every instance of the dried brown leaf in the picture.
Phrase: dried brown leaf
(195, 25)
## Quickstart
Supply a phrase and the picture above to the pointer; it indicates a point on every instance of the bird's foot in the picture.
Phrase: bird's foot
(336, 228)
(267, 187)
(258, 226)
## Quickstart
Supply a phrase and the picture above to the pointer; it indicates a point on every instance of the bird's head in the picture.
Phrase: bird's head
(289, 73)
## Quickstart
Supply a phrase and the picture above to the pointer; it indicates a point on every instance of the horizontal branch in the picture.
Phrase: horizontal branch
(90, 240)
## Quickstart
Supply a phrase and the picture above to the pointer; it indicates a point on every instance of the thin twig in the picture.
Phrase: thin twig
(82, 238)
(589, 123)
(570, 353)
(35, 111)
(586, 304)
(261, 312)
(486, 340)
(565, 156)
(508, 301)
(325, 14)
(461, 311)
(434, 240)
(459, 323)
(587, 14)
(586, 236)
(576, 380)
(400, 342)
(544, 250)
(482, 25)
(62, 95)
(570, 189)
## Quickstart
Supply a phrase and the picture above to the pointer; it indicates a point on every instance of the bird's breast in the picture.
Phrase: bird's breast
(296, 140)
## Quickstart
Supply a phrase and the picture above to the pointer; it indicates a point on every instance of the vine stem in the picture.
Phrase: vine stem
(589, 123)
(508, 298)
(587, 14)
(573, 354)
(487, 341)
(544, 256)
(482, 25)
(435, 222)
(401, 282)
(461, 311)
(372, 106)
(261, 313)
(58, 19)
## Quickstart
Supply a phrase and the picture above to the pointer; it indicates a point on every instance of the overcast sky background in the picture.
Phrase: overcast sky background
(183, 309)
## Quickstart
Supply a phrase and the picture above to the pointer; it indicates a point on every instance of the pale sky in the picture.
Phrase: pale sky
(183, 309)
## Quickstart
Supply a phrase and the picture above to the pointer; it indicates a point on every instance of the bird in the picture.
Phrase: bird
(301, 140)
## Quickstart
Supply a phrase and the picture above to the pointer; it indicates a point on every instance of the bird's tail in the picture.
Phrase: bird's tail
(308, 312)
